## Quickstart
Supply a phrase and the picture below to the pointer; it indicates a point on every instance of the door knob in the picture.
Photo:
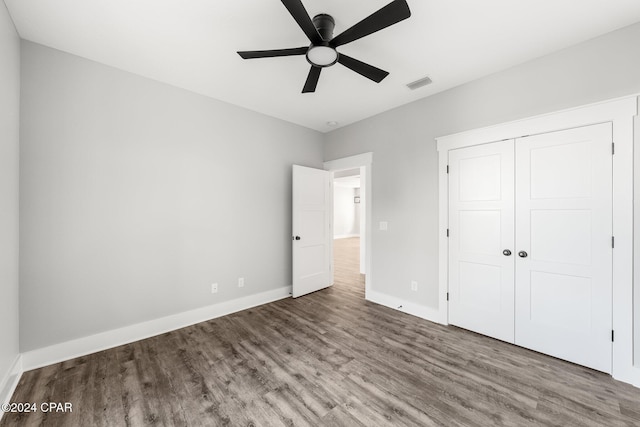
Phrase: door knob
(506, 252)
(522, 254)
(296, 238)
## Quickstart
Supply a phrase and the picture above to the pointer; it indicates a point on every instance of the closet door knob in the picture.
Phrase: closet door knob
(523, 254)
(506, 252)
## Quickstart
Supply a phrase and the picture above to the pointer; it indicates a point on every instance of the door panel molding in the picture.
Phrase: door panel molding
(564, 221)
(312, 239)
(481, 203)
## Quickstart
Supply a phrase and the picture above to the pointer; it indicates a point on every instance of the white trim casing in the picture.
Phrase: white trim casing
(365, 161)
(82, 346)
(443, 238)
(636, 261)
(623, 368)
(620, 112)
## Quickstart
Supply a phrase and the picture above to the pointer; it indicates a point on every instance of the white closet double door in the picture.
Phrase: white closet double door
(530, 250)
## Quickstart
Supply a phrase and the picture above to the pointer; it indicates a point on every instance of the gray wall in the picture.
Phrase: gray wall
(346, 213)
(136, 196)
(405, 178)
(9, 125)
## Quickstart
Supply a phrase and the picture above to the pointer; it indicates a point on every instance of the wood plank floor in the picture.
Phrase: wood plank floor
(330, 359)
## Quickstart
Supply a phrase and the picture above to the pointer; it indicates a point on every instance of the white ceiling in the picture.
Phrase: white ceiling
(192, 44)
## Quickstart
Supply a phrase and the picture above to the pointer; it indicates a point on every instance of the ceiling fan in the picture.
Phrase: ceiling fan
(322, 51)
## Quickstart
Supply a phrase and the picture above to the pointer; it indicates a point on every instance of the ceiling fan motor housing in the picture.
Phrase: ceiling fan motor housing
(324, 24)
(322, 54)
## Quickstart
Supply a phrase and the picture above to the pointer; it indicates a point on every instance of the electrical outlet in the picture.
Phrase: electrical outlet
(384, 225)
(241, 282)
(414, 286)
(214, 288)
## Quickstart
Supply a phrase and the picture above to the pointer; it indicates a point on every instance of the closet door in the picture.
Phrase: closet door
(481, 252)
(563, 244)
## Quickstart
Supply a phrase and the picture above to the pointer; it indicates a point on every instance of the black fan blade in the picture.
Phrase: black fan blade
(251, 54)
(299, 13)
(392, 13)
(369, 71)
(312, 79)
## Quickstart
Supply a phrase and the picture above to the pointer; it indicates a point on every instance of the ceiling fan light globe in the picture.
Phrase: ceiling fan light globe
(322, 56)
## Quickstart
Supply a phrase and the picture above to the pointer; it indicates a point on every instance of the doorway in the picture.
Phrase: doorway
(348, 226)
(342, 169)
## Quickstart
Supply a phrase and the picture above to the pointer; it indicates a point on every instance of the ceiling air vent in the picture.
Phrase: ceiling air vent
(419, 83)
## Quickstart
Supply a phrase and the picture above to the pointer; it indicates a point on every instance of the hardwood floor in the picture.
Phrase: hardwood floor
(330, 359)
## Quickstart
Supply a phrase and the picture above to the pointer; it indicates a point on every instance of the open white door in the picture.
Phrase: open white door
(312, 238)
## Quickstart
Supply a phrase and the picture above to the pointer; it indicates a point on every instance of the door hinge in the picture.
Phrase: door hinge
(613, 241)
(612, 335)
(447, 232)
(613, 148)
(447, 296)
(447, 168)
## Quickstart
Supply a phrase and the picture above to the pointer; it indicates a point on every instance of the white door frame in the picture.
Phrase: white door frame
(364, 162)
(621, 113)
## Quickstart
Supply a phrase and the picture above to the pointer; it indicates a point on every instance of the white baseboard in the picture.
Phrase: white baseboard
(630, 376)
(10, 382)
(82, 346)
(422, 311)
(345, 236)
